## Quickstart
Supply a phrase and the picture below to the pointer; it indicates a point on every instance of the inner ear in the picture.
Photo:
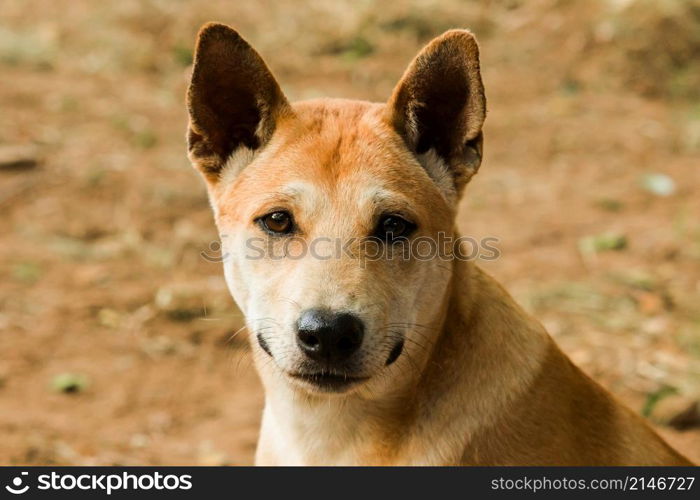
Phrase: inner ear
(439, 105)
(233, 100)
(437, 112)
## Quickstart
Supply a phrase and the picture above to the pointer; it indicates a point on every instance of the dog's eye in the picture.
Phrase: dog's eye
(392, 227)
(277, 222)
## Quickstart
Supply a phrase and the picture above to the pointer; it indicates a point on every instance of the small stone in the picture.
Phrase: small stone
(659, 184)
(69, 383)
(18, 157)
(686, 418)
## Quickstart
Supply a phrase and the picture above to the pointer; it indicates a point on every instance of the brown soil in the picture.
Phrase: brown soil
(100, 243)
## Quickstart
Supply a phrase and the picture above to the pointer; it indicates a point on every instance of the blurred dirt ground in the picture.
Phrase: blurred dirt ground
(118, 341)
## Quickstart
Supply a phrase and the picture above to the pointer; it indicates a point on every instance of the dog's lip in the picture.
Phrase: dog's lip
(328, 381)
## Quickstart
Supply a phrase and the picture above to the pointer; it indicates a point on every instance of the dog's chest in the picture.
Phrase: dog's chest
(322, 436)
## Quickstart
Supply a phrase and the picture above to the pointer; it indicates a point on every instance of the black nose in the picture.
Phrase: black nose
(327, 336)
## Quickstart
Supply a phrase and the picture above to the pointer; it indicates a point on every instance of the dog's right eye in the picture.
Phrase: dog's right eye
(277, 222)
(393, 227)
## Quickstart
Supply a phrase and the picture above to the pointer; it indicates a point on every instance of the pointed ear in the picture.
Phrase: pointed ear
(439, 107)
(233, 100)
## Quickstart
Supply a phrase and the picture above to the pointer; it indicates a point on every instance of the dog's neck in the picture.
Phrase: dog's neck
(367, 427)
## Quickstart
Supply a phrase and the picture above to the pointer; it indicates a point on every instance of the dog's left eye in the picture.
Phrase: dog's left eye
(277, 222)
(392, 227)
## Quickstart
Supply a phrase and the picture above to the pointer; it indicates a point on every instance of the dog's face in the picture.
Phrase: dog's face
(335, 216)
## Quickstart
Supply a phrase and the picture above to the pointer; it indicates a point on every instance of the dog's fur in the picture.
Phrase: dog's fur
(479, 381)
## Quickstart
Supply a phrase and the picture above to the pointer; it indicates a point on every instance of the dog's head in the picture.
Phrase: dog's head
(336, 216)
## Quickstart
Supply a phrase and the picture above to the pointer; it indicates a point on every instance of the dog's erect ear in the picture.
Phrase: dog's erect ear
(233, 100)
(439, 107)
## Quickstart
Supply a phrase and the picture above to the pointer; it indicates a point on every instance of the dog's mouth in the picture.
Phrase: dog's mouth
(328, 382)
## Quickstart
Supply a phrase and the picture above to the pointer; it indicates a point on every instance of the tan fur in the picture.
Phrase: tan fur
(479, 381)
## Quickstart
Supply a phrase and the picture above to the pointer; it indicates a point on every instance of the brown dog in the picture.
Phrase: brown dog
(392, 359)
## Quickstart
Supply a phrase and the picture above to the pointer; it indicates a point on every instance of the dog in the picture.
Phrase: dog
(394, 360)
